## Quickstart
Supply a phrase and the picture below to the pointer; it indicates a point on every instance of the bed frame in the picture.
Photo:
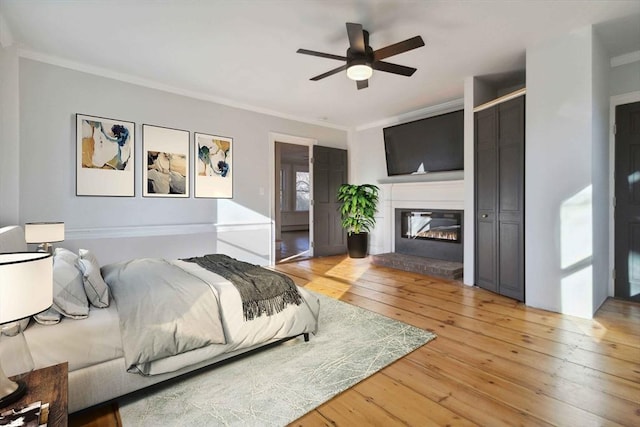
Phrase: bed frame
(107, 381)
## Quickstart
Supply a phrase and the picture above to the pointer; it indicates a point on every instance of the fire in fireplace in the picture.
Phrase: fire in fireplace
(431, 225)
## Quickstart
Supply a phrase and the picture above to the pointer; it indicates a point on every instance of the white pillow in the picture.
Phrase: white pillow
(65, 254)
(48, 317)
(94, 286)
(69, 297)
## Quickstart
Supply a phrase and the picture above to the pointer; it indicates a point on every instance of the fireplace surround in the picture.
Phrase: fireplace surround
(431, 233)
(430, 225)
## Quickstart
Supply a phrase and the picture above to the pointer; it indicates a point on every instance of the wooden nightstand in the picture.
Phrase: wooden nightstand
(49, 385)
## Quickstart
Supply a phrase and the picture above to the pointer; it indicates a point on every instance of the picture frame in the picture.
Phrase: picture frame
(213, 166)
(166, 154)
(105, 156)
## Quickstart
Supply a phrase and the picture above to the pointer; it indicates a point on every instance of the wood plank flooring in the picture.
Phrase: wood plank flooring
(495, 361)
(293, 246)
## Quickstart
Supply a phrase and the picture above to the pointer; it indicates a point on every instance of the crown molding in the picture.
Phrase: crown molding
(627, 58)
(500, 100)
(422, 113)
(139, 81)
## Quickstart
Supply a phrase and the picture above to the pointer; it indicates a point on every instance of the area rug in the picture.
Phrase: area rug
(276, 386)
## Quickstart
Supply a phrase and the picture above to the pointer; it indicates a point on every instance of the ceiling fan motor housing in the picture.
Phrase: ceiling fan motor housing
(361, 59)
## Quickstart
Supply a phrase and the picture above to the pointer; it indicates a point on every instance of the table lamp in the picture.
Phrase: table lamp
(26, 288)
(44, 233)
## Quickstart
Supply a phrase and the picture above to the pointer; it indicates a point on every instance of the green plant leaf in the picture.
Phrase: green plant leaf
(359, 205)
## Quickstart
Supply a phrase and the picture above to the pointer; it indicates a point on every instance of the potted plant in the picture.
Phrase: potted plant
(357, 212)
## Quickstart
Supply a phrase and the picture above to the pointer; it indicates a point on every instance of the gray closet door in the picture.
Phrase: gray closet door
(329, 172)
(500, 198)
(511, 198)
(486, 185)
(627, 208)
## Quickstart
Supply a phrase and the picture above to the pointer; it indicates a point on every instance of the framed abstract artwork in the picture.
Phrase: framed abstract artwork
(105, 157)
(213, 160)
(165, 170)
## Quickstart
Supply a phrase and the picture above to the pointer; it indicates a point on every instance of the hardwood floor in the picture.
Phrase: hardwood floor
(292, 246)
(495, 362)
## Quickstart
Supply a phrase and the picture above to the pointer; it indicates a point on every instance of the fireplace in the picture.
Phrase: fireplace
(431, 225)
(431, 233)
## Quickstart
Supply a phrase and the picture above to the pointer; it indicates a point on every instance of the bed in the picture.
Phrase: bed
(108, 347)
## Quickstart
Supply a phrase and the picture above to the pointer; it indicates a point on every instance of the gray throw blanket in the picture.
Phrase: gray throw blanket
(262, 291)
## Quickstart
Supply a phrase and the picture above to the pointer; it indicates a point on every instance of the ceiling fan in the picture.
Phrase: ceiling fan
(361, 59)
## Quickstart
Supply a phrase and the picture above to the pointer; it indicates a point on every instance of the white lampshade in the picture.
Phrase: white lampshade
(26, 284)
(44, 232)
(359, 72)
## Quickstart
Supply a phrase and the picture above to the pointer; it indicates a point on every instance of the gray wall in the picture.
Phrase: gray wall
(9, 160)
(49, 98)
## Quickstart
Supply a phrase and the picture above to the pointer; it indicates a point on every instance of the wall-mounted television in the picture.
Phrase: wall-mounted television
(427, 145)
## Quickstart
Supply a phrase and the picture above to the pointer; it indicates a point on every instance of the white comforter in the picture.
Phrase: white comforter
(58, 343)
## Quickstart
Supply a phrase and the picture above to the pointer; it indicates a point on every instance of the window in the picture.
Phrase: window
(302, 191)
(294, 188)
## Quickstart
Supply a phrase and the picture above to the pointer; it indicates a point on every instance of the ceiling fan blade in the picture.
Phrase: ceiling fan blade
(397, 48)
(362, 84)
(356, 37)
(329, 73)
(393, 68)
(321, 55)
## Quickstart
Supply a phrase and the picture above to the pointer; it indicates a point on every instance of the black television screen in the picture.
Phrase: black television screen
(428, 145)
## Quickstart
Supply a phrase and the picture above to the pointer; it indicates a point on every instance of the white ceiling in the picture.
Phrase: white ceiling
(243, 53)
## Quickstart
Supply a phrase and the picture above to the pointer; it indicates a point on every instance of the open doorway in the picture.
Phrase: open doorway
(292, 202)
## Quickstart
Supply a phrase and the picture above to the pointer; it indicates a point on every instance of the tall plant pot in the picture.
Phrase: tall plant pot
(357, 245)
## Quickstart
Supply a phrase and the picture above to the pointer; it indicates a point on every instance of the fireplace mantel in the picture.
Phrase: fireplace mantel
(424, 177)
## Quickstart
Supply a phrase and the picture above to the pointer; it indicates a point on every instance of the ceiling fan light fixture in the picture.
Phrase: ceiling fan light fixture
(359, 72)
(360, 58)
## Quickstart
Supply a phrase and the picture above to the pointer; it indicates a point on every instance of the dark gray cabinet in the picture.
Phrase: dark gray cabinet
(499, 198)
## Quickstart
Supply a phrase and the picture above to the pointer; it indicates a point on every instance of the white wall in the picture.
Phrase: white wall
(600, 168)
(624, 78)
(560, 179)
(49, 98)
(9, 135)
(367, 165)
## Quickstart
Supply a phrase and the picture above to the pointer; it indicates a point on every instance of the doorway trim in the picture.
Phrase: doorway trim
(289, 139)
(615, 100)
